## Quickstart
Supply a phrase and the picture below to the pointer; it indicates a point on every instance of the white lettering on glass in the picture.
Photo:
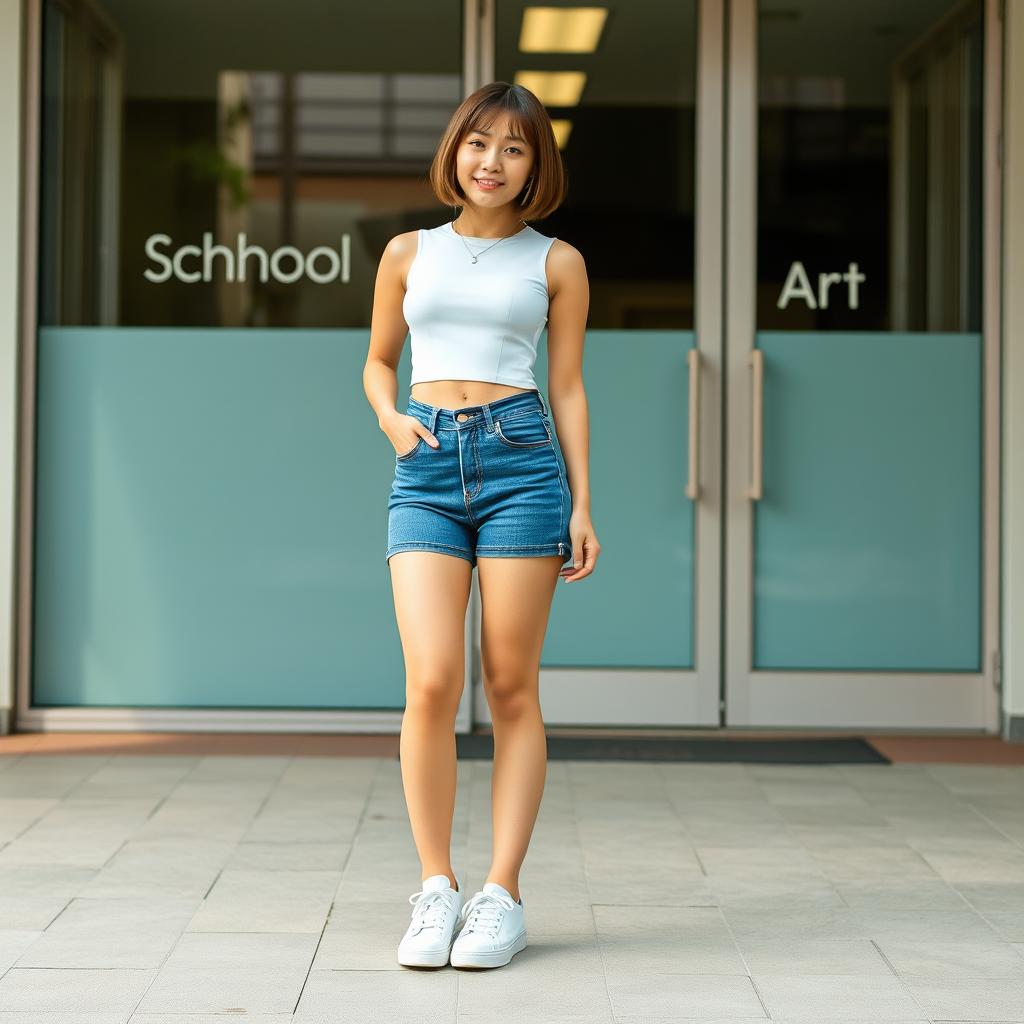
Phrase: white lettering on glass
(798, 286)
(286, 264)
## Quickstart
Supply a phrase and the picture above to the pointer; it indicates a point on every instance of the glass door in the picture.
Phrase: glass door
(860, 512)
(210, 486)
(635, 94)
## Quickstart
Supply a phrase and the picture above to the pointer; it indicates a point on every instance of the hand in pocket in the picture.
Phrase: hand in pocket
(405, 439)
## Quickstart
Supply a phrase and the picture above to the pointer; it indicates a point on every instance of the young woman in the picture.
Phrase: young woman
(481, 480)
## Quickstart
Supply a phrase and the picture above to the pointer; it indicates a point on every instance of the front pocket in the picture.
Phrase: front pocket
(528, 431)
(411, 452)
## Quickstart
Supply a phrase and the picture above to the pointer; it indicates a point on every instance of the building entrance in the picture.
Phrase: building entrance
(797, 516)
(787, 214)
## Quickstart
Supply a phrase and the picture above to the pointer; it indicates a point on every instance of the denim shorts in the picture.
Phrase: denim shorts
(496, 485)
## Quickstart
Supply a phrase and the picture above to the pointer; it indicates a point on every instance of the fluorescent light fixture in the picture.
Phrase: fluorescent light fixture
(554, 88)
(562, 128)
(561, 29)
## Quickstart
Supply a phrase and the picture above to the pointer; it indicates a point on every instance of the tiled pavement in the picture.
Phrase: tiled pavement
(172, 889)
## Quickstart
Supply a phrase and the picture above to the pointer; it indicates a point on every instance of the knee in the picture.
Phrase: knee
(436, 693)
(511, 697)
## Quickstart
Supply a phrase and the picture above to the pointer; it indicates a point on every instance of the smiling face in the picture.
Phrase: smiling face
(493, 153)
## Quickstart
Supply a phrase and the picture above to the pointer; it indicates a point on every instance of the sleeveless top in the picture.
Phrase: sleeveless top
(476, 321)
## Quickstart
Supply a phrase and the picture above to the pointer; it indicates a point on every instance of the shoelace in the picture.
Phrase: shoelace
(428, 912)
(483, 913)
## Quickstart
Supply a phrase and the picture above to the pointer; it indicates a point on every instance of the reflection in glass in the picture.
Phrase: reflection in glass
(869, 167)
(628, 149)
(252, 180)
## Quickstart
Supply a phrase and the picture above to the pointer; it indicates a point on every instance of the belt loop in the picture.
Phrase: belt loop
(486, 410)
(543, 404)
(433, 419)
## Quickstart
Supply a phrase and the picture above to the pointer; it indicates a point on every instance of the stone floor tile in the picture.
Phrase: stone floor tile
(410, 996)
(953, 959)
(272, 901)
(59, 991)
(225, 990)
(686, 996)
(969, 999)
(836, 997)
(788, 956)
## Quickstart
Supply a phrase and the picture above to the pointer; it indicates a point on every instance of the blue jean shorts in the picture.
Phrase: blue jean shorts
(495, 487)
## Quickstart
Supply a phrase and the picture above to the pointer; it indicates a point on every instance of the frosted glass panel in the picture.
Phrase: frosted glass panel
(868, 537)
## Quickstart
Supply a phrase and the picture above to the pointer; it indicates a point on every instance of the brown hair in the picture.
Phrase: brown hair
(545, 191)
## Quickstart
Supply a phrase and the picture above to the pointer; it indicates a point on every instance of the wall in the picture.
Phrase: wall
(11, 20)
(1013, 371)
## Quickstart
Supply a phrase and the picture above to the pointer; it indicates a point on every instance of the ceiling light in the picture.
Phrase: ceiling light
(554, 88)
(561, 29)
(562, 128)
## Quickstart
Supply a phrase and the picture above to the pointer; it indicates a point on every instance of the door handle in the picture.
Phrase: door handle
(756, 360)
(693, 474)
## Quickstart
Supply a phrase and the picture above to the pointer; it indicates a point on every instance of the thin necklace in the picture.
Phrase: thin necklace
(482, 251)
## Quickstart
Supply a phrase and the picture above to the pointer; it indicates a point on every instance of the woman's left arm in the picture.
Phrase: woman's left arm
(568, 308)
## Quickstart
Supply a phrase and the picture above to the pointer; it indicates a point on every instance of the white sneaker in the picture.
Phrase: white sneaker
(428, 939)
(493, 929)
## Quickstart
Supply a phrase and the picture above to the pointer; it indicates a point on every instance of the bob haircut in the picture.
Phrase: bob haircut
(546, 189)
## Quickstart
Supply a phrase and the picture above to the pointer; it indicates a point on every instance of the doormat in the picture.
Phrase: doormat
(813, 750)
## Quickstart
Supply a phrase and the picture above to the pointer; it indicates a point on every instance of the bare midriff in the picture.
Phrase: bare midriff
(454, 394)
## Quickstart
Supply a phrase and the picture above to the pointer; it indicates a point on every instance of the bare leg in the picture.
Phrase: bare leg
(431, 591)
(516, 595)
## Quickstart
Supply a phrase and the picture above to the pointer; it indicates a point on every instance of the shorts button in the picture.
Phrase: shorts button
(462, 417)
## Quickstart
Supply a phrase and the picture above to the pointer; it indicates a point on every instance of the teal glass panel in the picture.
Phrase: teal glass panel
(636, 609)
(211, 522)
(867, 541)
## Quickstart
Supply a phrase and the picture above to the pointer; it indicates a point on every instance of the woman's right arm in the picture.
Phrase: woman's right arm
(387, 328)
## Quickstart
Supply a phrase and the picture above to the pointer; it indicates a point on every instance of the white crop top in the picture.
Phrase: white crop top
(476, 321)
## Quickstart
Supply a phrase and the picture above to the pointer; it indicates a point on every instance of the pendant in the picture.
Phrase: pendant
(474, 259)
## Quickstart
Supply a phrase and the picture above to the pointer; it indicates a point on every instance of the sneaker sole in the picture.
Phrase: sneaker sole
(424, 958)
(492, 958)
